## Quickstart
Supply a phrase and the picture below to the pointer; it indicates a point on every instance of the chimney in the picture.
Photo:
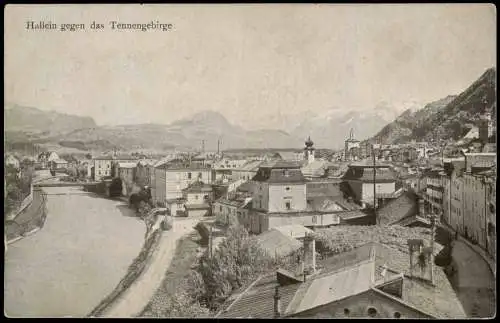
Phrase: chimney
(414, 245)
(309, 247)
(421, 206)
(483, 131)
(277, 302)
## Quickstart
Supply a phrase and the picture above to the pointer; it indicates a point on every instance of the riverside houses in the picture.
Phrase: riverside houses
(173, 176)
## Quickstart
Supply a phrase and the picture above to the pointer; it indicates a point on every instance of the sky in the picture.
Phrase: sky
(256, 64)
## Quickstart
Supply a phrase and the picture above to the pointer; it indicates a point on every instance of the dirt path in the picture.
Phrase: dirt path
(133, 301)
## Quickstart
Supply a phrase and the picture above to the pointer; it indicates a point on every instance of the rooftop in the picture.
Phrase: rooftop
(126, 165)
(197, 187)
(281, 164)
(293, 230)
(277, 243)
(344, 275)
(365, 174)
(279, 175)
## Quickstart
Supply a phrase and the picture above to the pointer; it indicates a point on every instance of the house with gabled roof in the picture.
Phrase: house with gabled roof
(371, 281)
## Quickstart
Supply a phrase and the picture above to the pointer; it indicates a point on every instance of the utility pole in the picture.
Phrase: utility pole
(433, 231)
(210, 242)
(374, 188)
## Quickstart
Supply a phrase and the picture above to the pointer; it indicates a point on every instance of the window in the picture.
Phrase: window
(220, 208)
(206, 197)
(397, 315)
(372, 312)
(287, 188)
(288, 205)
(346, 311)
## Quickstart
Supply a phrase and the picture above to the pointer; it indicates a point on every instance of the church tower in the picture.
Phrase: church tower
(351, 150)
(309, 150)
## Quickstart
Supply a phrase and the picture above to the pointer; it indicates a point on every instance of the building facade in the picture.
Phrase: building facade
(174, 176)
(361, 180)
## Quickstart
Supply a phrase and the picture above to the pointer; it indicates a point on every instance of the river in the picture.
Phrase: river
(75, 260)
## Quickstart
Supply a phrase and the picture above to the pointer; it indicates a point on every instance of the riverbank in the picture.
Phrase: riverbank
(29, 220)
(134, 299)
(84, 249)
(174, 281)
(134, 271)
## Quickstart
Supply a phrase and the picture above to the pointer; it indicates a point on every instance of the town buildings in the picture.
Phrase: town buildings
(46, 157)
(198, 197)
(145, 172)
(126, 172)
(361, 179)
(172, 176)
(279, 197)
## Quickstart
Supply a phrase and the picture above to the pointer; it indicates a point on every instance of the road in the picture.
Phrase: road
(133, 301)
(75, 260)
(474, 281)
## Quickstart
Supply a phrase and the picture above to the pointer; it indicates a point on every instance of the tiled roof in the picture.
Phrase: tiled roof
(276, 243)
(197, 206)
(198, 187)
(354, 214)
(404, 206)
(251, 166)
(347, 274)
(178, 163)
(336, 286)
(126, 165)
(236, 203)
(282, 164)
(323, 204)
(279, 175)
(147, 162)
(257, 302)
(365, 174)
(293, 230)
(316, 168)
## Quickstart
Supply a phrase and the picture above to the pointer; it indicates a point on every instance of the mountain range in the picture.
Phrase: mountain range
(446, 118)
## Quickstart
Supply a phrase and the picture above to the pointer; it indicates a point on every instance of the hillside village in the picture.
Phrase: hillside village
(288, 199)
(253, 161)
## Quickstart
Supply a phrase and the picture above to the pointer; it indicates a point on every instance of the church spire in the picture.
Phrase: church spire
(351, 134)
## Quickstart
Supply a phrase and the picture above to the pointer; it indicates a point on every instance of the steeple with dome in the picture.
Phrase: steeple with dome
(309, 150)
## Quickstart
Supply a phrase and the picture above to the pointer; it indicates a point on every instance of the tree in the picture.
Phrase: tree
(115, 188)
(236, 261)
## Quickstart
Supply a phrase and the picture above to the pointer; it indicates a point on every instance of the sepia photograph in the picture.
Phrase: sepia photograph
(224, 161)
